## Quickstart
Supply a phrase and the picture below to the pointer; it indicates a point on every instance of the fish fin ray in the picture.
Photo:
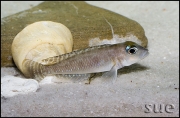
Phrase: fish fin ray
(74, 78)
(110, 76)
(33, 69)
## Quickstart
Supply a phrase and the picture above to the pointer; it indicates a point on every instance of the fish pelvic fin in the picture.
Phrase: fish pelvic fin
(110, 76)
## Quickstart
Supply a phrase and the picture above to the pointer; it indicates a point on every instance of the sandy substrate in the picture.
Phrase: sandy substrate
(153, 81)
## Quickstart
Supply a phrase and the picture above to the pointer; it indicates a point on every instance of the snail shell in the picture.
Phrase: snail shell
(40, 40)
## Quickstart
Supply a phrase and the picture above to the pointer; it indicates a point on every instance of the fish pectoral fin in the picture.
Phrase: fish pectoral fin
(111, 75)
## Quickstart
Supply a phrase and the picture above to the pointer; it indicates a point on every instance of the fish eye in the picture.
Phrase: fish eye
(131, 49)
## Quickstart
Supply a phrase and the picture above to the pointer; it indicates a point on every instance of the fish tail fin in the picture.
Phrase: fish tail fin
(33, 69)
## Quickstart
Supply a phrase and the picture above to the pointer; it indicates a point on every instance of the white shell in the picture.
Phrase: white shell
(41, 40)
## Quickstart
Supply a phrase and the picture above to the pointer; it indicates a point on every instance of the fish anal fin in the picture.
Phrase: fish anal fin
(72, 78)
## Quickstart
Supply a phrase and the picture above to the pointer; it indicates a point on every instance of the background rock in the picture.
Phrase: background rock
(84, 21)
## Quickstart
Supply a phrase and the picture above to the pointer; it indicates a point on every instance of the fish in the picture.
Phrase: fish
(106, 58)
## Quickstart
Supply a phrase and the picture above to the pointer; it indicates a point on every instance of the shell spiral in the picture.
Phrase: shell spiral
(38, 41)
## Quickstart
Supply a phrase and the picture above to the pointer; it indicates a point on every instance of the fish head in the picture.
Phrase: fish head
(133, 53)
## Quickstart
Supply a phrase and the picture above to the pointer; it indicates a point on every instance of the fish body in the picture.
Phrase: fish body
(109, 58)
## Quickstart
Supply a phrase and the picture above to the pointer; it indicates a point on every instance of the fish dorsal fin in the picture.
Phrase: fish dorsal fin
(57, 59)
